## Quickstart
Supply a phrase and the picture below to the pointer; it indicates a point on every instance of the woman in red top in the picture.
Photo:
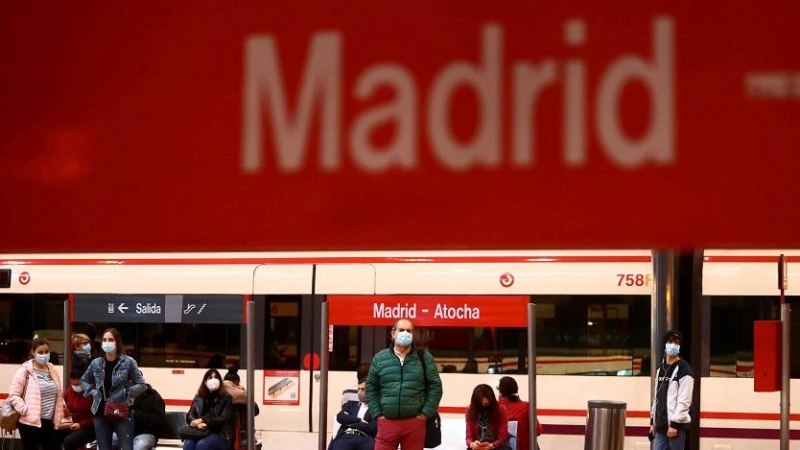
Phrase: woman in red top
(517, 410)
(487, 421)
(81, 431)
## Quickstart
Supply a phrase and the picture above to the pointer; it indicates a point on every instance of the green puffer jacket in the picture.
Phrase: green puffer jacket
(398, 391)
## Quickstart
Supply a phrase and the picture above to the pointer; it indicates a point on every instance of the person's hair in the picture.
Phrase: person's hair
(75, 373)
(508, 388)
(78, 339)
(117, 339)
(362, 371)
(203, 391)
(232, 375)
(476, 407)
(394, 325)
(36, 342)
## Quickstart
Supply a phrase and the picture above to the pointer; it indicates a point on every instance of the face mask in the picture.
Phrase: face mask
(362, 397)
(403, 338)
(212, 384)
(43, 359)
(87, 348)
(672, 349)
(109, 347)
(77, 388)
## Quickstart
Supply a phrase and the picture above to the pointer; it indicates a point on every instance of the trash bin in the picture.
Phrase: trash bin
(605, 425)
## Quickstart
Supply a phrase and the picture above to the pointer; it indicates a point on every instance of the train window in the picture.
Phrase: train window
(282, 349)
(731, 340)
(576, 334)
(26, 315)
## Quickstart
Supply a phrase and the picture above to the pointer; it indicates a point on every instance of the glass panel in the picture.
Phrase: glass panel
(731, 340)
(282, 349)
(586, 335)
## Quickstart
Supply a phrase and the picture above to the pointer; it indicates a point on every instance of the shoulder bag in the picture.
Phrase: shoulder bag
(9, 417)
(433, 426)
(190, 432)
(113, 410)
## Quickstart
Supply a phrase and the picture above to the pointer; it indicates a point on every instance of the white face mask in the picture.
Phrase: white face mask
(109, 347)
(212, 384)
(77, 388)
(672, 349)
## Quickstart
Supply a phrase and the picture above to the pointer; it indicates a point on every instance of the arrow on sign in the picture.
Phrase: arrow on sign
(122, 308)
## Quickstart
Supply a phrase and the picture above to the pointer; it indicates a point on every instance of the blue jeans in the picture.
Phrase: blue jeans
(104, 428)
(662, 442)
(210, 442)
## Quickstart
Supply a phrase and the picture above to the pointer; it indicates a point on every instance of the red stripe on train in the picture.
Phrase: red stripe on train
(327, 260)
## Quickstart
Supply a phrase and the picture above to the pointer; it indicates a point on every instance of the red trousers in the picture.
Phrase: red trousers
(410, 433)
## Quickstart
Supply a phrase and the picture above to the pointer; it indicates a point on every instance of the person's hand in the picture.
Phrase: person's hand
(421, 416)
(380, 418)
(75, 426)
(202, 426)
(195, 423)
(672, 432)
(474, 445)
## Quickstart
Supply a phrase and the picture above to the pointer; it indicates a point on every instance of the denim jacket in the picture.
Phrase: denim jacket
(126, 381)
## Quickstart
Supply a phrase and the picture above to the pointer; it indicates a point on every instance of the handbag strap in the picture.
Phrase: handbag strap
(25, 386)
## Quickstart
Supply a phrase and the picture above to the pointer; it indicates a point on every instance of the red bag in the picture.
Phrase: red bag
(116, 411)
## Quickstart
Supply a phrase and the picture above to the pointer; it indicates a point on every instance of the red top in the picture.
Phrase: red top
(499, 426)
(519, 411)
(80, 407)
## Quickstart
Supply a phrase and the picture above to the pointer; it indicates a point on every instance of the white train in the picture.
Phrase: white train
(593, 318)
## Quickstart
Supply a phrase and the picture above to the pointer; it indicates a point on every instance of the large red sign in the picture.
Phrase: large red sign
(266, 125)
(429, 311)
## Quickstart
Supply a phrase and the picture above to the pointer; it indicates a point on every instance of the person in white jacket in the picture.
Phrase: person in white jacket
(37, 396)
(670, 416)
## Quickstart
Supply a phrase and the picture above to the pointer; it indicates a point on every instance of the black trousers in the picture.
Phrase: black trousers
(75, 439)
(34, 438)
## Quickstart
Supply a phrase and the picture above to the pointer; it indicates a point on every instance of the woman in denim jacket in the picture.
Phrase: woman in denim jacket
(114, 377)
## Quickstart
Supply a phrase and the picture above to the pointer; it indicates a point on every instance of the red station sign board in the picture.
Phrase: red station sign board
(285, 125)
(429, 311)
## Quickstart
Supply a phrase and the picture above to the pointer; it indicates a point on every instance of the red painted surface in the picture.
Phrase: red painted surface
(123, 126)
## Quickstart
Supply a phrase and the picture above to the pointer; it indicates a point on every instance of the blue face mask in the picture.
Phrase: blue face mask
(403, 338)
(672, 349)
(87, 348)
(43, 359)
(109, 347)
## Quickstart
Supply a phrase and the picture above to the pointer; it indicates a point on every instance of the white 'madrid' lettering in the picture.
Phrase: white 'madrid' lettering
(444, 311)
(381, 311)
(263, 82)
(320, 90)
(657, 143)
(485, 146)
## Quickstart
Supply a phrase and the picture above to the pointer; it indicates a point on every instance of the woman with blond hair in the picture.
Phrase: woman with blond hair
(81, 352)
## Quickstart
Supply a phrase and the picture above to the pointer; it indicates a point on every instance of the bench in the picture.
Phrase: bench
(454, 433)
(171, 439)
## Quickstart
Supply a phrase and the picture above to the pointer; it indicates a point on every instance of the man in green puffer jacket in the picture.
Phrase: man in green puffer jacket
(399, 395)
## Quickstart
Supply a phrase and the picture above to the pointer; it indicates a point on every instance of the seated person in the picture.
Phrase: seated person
(350, 393)
(81, 430)
(358, 427)
(487, 421)
(517, 410)
(149, 419)
(231, 386)
(211, 411)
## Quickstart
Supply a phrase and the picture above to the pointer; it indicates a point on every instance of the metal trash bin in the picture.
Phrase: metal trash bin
(605, 425)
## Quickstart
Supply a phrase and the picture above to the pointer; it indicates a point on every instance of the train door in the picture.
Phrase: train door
(288, 299)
